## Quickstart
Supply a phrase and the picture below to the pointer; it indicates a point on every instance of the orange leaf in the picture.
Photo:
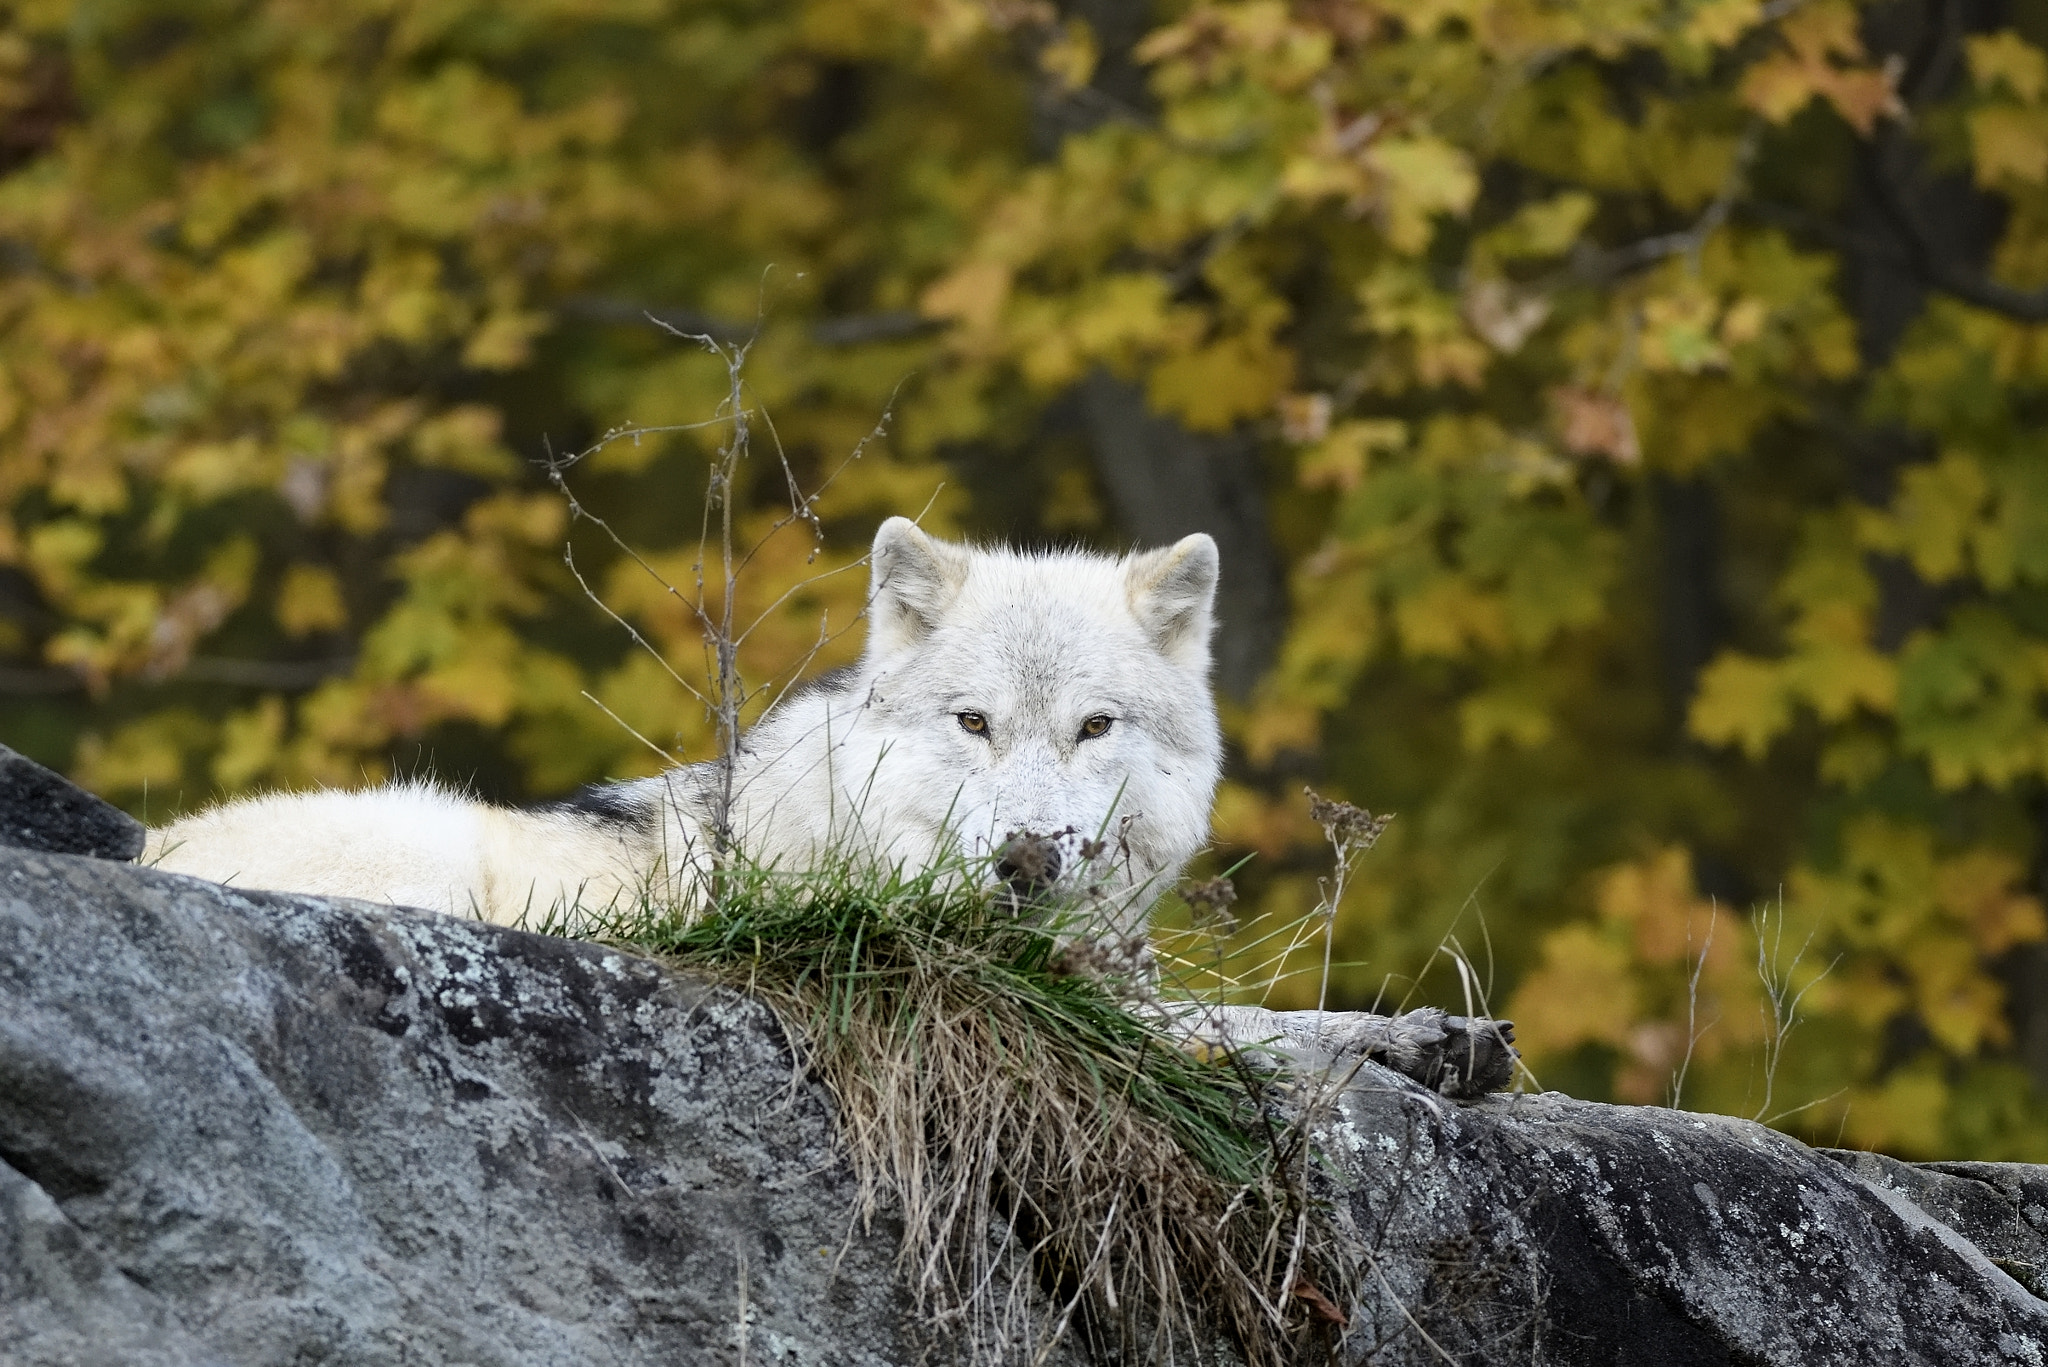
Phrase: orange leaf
(1325, 1309)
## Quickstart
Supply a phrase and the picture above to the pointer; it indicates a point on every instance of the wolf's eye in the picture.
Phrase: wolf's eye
(1097, 725)
(973, 723)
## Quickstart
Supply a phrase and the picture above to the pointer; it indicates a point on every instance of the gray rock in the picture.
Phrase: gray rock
(2002, 1208)
(42, 810)
(1541, 1229)
(248, 1128)
(251, 1128)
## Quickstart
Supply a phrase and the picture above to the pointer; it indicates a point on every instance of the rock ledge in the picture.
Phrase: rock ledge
(250, 1128)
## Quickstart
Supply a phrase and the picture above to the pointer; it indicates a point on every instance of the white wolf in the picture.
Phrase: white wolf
(1063, 696)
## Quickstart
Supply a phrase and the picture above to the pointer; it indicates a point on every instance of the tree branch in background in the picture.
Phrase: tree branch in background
(283, 676)
(1165, 482)
(1602, 266)
(1890, 181)
(854, 329)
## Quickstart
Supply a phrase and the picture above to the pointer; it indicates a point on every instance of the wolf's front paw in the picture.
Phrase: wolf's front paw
(1459, 1056)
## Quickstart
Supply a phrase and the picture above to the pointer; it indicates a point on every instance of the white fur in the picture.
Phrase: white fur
(875, 764)
(872, 764)
(412, 844)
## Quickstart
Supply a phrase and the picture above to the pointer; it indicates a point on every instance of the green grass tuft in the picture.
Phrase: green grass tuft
(1062, 1164)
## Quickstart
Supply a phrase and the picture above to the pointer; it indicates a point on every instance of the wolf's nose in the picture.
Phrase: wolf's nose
(1028, 861)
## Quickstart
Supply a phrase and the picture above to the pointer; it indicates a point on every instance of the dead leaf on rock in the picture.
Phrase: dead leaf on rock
(1324, 1308)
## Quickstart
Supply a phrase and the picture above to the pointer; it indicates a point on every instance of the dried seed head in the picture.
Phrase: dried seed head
(1125, 967)
(1211, 900)
(1344, 824)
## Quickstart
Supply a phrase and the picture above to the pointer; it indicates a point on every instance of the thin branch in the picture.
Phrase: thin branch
(569, 559)
(854, 329)
(284, 676)
(1936, 269)
(1601, 265)
(589, 697)
(1692, 1002)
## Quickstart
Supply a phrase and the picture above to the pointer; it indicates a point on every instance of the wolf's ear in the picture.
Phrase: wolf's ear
(1172, 592)
(912, 579)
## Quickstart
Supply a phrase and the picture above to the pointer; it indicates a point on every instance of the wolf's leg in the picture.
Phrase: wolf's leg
(1459, 1056)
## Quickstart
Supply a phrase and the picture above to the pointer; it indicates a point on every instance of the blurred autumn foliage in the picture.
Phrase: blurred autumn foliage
(1623, 422)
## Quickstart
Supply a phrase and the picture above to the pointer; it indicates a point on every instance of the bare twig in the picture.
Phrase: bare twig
(714, 606)
(847, 330)
(1935, 267)
(1693, 1030)
(627, 727)
(1600, 266)
(1781, 1000)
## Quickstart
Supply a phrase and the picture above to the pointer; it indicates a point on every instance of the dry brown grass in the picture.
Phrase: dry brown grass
(1062, 1167)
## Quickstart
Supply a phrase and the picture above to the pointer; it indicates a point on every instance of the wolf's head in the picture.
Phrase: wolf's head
(1062, 694)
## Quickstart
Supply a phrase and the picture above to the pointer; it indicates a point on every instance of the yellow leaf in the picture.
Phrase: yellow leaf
(951, 25)
(1741, 700)
(250, 742)
(1981, 890)
(1340, 459)
(2006, 57)
(1679, 328)
(401, 295)
(59, 551)
(504, 341)
(973, 293)
(1421, 177)
(1937, 509)
(1823, 57)
(1211, 389)
(1777, 87)
(1070, 58)
(1870, 992)
(1721, 22)
(1744, 321)
(1450, 618)
(1547, 227)
(1249, 819)
(1274, 726)
(309, 600)
(1507, 713)
(464, 438)
(2008, 143)
(1903, 1116)
(1581, 993)
(146, 756)
(1654, 897)
(1837, 677)
(1958, 1003)
(208, 470)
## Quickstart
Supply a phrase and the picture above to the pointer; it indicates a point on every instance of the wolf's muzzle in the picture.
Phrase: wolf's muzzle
(1028, 862)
